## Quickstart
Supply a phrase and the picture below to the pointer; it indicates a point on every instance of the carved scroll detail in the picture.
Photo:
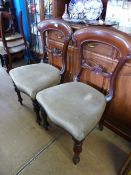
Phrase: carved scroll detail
(54, 51)
(97, 69)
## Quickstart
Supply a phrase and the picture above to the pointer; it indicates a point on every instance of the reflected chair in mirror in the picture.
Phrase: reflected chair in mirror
(76, 106)
(30, 79)
(12, 43)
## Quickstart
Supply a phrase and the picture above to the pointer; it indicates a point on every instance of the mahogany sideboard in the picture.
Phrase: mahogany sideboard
(118, 112)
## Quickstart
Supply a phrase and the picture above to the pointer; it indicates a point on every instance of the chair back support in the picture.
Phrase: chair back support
(60, 26)
(120, 43)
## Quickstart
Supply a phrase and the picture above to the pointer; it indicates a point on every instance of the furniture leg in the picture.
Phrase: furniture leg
(44, 115)
(6, 62)
(37, 111)
(77, 150)
(18, 94)
(2, 60)
(101, 124)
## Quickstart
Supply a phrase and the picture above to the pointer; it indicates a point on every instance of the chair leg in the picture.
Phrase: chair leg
(37, 111)
(8, 62)
(77, 150)
(2, 60)
(18, 94)
(44, 115)
(101, 123)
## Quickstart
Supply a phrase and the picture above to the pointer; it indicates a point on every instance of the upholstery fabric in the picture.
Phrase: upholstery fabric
(14, 46)
(15, 43)
(74, 106)
(1, 43)
(2, 51)
(33, 78)
(17, 49)
(12, 49)
(13, 36)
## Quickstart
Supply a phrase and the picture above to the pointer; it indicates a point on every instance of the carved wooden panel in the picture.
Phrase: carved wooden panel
(55, 59)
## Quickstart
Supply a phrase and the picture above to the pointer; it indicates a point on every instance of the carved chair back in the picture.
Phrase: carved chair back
(121, 44)
(60, 26)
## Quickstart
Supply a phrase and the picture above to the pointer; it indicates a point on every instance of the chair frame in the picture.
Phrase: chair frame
(43, 27)
(62, 27)
(9, 17)
(106, 36)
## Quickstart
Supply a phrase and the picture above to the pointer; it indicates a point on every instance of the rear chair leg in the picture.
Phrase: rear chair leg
(101, 126)
(6, 61)
(77, 150)
(37, 111)
(44, 115)
(101, 123)
(18, 94)
(2, 60)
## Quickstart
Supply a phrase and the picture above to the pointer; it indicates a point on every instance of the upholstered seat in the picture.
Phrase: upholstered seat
(2, 51)
(77, 107)
(31, 79)
(13, 46)
(13, 38)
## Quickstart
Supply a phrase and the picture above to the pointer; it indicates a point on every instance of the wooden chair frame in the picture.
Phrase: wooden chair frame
(6, 16)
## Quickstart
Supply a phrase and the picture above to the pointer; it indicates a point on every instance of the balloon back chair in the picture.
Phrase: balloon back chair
(78, 107)
(30, 79)
(12, 43)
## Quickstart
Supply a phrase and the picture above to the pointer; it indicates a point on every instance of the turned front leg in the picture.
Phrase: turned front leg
(44, 115)
(37, 111)
(77, 150)
(18, 94)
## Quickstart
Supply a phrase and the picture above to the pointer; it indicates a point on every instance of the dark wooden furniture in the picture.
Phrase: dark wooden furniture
(30, 79)
(78, 107)
(118, 113)
(13, 43)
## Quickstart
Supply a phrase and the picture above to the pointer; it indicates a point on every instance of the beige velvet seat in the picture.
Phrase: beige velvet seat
(76, 106)
(31, 79)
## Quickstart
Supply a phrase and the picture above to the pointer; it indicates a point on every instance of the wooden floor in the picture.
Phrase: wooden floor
(27, 149)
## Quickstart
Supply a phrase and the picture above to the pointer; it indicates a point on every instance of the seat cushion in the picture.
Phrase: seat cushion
(73, 106)
(17, 49)
(33, 78)
(14, 46)
(15, 43)
(2, 51)
(14, 36)
(12, 50)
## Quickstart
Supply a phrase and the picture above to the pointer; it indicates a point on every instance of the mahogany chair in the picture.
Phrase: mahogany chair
(12, 43)
(30, 79)
(78, 107)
